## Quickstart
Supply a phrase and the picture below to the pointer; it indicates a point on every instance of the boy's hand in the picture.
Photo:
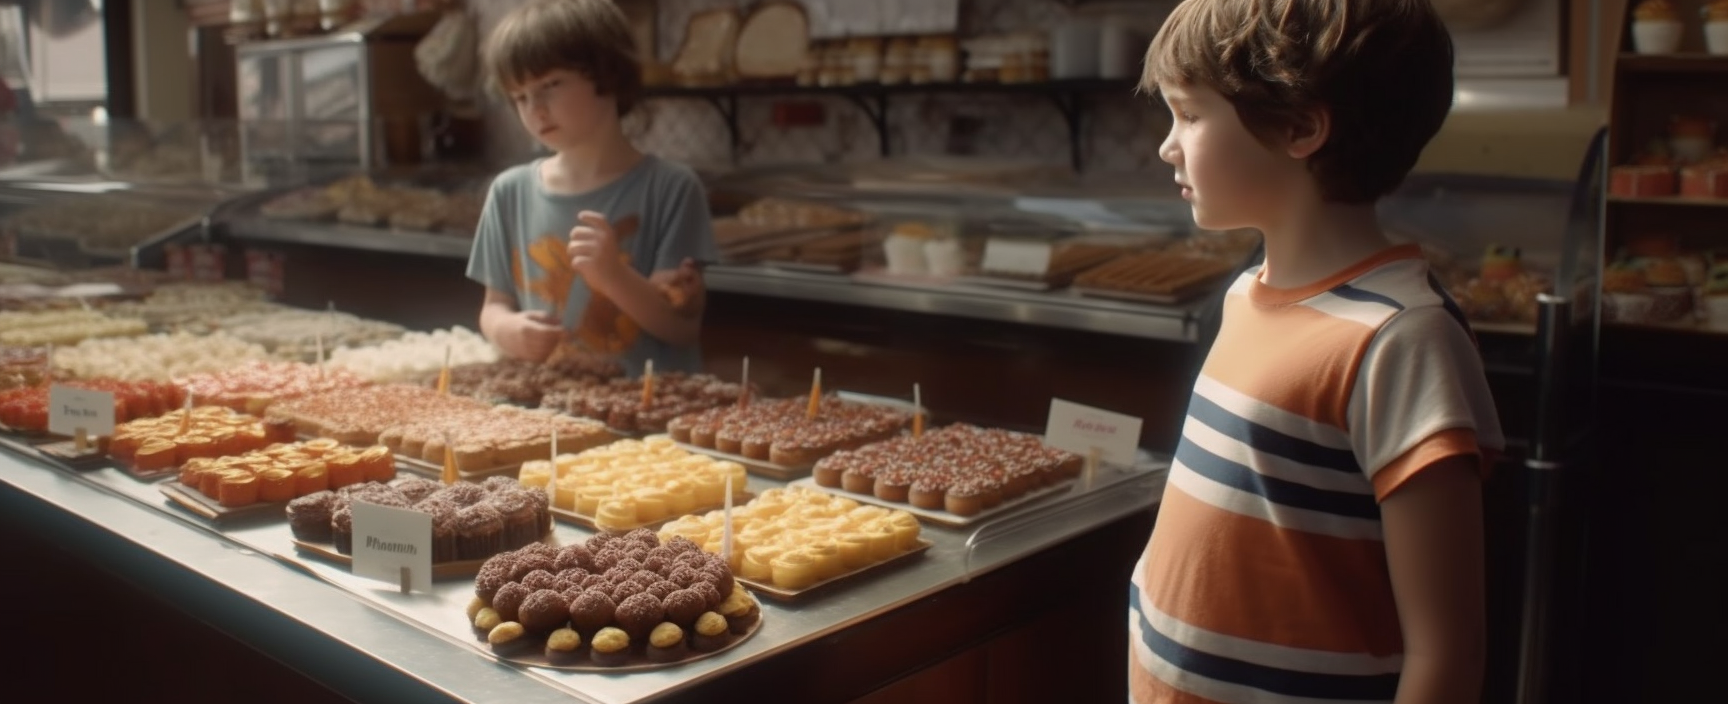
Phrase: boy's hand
(530, 335)
(593, 249)
(682, 286)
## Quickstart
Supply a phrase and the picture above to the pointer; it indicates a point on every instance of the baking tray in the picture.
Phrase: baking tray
(782, 594)
(1026, 284)
(944, 518)
(205, 507)
(436, 470)
(440, 570)
(639, 662)
(739, 498)
(196, 502)
(764, 468)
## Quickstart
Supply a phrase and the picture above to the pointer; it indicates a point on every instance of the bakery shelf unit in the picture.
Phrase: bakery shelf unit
(1673, 104)
(1070, 96)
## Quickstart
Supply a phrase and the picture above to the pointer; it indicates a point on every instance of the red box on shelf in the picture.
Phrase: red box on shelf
(1704, 181)
(1641, 181)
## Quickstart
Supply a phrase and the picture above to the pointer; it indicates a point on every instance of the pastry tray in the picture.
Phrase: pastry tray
(944, 518)
(639, 662)
(767, 588)
(764, 468)
(1024, 284)
(739, 498)
(436, 470)
(440, 570)
(196, 502)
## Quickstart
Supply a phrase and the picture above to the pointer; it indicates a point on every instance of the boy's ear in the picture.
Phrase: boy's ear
(1309, 134)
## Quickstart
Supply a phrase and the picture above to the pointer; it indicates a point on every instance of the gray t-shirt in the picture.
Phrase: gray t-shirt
(660, 214)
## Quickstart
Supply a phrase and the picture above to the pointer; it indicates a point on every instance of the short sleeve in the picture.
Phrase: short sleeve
(1420, 396)
(688, 232)
(489, 261)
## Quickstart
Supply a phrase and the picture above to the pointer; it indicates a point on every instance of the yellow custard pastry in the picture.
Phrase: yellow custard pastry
(827, 557)
(610, 647)
(712, 632)
(507, 638)
(666, 643)
(795, 569)
(561, 646)
(854, 549)
(487, 619)
(758, 562)
(617, 514)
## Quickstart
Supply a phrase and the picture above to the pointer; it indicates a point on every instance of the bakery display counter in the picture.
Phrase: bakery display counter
(1060, 309)
(349, 237)
(367, 641)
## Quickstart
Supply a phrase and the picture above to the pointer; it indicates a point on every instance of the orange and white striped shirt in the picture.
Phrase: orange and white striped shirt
(1266, 580)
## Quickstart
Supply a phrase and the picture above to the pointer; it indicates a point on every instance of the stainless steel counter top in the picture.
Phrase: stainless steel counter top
(245, 579)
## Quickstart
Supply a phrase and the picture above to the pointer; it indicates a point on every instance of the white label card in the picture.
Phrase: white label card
(70, 409)
(1016, 256)
(1080, 429)
(388, 539)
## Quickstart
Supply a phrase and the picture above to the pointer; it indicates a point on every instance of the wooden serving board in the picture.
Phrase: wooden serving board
(739, 498)
(440, 570)
(944, 518)
(535, 654)
(758, 467)
(767, 588)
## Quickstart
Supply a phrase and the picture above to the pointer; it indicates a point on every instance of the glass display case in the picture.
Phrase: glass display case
(119, 193)
(353, 100)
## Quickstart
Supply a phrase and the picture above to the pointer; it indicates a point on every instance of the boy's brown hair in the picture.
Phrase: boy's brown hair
(590, 37)
(1382, 68)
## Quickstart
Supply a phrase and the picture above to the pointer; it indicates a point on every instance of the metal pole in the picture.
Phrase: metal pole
(1553, 328)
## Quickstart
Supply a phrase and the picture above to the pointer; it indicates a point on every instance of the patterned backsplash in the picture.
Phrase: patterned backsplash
(1120, 132)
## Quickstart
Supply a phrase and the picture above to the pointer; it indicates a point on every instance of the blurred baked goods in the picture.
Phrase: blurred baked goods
(786, 213)
(772, 42)
(706, 56)
(1655, 10)
(1159, 276)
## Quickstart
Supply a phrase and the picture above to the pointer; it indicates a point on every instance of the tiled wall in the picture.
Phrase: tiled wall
(1121, 132)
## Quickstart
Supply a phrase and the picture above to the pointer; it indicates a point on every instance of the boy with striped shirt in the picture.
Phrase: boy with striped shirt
(1320, 539)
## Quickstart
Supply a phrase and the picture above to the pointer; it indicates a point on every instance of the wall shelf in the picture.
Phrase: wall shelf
(1673, 63)
(1689, 201)
(1069, 96)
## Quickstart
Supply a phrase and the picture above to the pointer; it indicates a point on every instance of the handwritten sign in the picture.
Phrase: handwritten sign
(386, 540)
(1016, 256)
(71, 410)
(1083, 429)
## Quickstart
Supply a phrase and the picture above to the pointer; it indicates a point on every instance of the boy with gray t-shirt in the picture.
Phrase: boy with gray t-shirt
(660, 217)
(594, 248)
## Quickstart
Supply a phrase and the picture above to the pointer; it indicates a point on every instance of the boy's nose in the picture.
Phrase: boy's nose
(1168, 150)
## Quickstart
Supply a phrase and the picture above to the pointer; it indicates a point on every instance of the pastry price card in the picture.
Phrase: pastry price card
(1082, 429)
(386, 540)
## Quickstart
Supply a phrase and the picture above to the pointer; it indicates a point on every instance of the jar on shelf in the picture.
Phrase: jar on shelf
(941, 58)
(897, 60)
(1656, 27)
(866, 59)
(245, 20)
(1716, 27)
(333, 14)
(277, 17)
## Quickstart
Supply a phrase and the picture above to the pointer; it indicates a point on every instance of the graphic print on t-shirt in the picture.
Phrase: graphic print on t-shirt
(603, 327)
